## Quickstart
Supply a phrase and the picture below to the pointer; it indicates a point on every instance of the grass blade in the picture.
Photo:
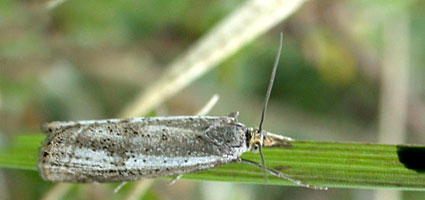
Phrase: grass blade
(331, 164)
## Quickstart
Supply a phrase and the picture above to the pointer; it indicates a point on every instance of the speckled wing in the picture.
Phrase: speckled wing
(132, 149)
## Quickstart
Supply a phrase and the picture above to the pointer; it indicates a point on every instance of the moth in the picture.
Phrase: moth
(118, 150)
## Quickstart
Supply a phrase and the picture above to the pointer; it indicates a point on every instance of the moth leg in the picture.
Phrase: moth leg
(174, 180)
(118, 188)
(281, 175)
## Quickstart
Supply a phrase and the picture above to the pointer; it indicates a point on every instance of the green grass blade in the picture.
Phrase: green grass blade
(342, 165)
(22, 152)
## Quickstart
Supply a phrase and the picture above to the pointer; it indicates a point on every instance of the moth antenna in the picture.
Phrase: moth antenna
(269, 89)
(266, 101)
(283, 176)
(263, 163)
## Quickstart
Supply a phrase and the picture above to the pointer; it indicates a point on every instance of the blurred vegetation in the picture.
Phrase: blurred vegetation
(87, 60)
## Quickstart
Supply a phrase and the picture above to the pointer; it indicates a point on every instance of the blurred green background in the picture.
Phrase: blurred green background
(350, 71)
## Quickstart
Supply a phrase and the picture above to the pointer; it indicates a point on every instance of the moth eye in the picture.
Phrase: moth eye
(255, 148)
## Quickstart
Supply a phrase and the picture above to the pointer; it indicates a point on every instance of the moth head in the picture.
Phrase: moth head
(255, 141)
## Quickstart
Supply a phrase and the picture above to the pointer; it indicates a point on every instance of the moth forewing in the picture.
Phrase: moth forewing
(132, 149)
